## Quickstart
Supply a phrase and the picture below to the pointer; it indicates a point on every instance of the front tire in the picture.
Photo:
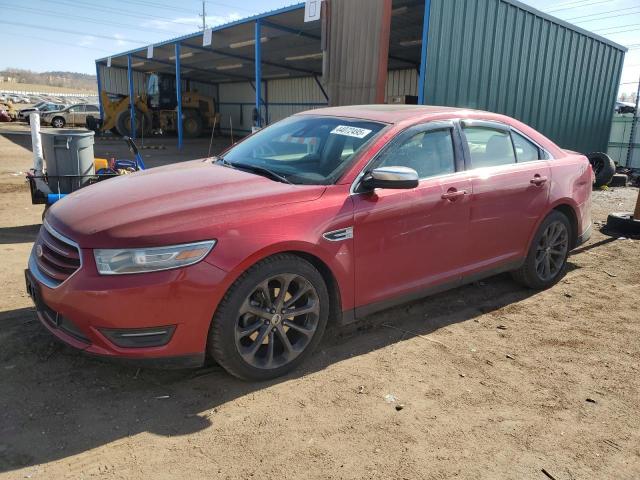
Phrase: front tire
(271, 318)
(546, 260)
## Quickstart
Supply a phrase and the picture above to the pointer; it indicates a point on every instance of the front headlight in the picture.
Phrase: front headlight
(141, 260)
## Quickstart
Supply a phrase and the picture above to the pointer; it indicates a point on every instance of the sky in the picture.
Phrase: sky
(87, 29)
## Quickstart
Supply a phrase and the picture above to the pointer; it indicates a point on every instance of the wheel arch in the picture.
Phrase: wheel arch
(336, 290)
(333, 287)
(568, 208)
(569, 211)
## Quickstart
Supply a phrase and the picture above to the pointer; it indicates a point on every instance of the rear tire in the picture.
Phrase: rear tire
(546, 260)
(255, 333)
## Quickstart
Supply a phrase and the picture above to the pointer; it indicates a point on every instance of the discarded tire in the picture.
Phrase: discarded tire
(619, 180)
(603, 168)
(123, 123)
(623, 222)
(93, 123)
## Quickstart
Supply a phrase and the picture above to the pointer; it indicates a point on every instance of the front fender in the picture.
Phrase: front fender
(336, 256)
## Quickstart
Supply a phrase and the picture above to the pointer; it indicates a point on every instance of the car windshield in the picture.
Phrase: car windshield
(303, 149)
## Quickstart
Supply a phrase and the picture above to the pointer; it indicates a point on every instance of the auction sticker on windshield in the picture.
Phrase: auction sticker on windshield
(351, 131)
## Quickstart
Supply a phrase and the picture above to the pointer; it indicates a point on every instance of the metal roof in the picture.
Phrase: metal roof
(290, 48)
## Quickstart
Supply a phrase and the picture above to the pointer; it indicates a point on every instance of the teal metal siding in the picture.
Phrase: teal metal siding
(502, 56)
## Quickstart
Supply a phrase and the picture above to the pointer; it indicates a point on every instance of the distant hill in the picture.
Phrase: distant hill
(67, 80)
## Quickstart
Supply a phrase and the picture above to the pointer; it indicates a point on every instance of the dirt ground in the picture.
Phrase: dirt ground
(486, 381)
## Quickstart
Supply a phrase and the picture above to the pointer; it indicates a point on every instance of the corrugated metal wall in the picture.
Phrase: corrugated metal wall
(237, 101)
(619, 141)
(358, 49)
(284, 96)
(402, 82)
(497, 55)
(292, 95)
(114, 80)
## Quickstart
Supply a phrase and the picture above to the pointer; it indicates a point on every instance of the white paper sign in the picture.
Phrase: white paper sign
(351, 131)
(206, 38)
(312, 10)
(150, 51)
(108, 61)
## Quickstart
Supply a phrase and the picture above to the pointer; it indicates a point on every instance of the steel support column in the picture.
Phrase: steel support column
(99, 91)
(132, 99)
(178, 96)
(423, 53)
(258, 65)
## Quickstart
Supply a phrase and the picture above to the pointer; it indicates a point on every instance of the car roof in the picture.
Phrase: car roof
(405, 115)
(384, 112)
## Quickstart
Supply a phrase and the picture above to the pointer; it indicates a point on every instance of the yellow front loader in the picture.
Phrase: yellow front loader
(198, 113)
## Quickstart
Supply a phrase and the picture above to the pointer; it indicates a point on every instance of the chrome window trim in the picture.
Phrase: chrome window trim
(33, 265)
(450, 123)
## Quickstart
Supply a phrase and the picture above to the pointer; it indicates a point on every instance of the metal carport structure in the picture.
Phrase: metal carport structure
(497, 55)
(246, 53)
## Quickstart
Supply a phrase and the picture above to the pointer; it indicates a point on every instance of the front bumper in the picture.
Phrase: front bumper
(87, 304)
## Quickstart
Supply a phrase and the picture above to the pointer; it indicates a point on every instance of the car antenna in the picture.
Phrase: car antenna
(211, 140)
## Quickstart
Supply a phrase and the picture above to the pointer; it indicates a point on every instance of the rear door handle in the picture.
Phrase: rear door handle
(452, 194)
(538, 180)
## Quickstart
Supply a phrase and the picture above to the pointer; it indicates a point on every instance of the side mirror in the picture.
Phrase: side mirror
(400, 178)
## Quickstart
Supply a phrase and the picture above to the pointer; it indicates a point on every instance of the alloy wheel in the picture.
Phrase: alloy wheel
(277, 321)
(552, 250)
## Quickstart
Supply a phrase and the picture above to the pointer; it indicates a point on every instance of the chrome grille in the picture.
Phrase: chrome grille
(55, 256)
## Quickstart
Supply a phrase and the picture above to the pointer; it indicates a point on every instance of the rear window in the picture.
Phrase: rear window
(526, 151)
(489, 147)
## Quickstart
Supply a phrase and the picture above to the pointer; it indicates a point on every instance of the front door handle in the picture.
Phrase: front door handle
(538, 180)
(452, 194)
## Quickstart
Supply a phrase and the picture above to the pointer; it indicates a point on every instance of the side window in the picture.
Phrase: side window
(92, 108)
(429, 153)
(489, 147)
(525, 150)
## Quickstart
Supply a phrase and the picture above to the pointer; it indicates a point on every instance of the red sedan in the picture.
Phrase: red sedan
(328, 215)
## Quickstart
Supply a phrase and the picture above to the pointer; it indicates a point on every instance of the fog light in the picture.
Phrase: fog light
(139, 337)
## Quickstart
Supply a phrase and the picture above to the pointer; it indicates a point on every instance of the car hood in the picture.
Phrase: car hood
(179, 203)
